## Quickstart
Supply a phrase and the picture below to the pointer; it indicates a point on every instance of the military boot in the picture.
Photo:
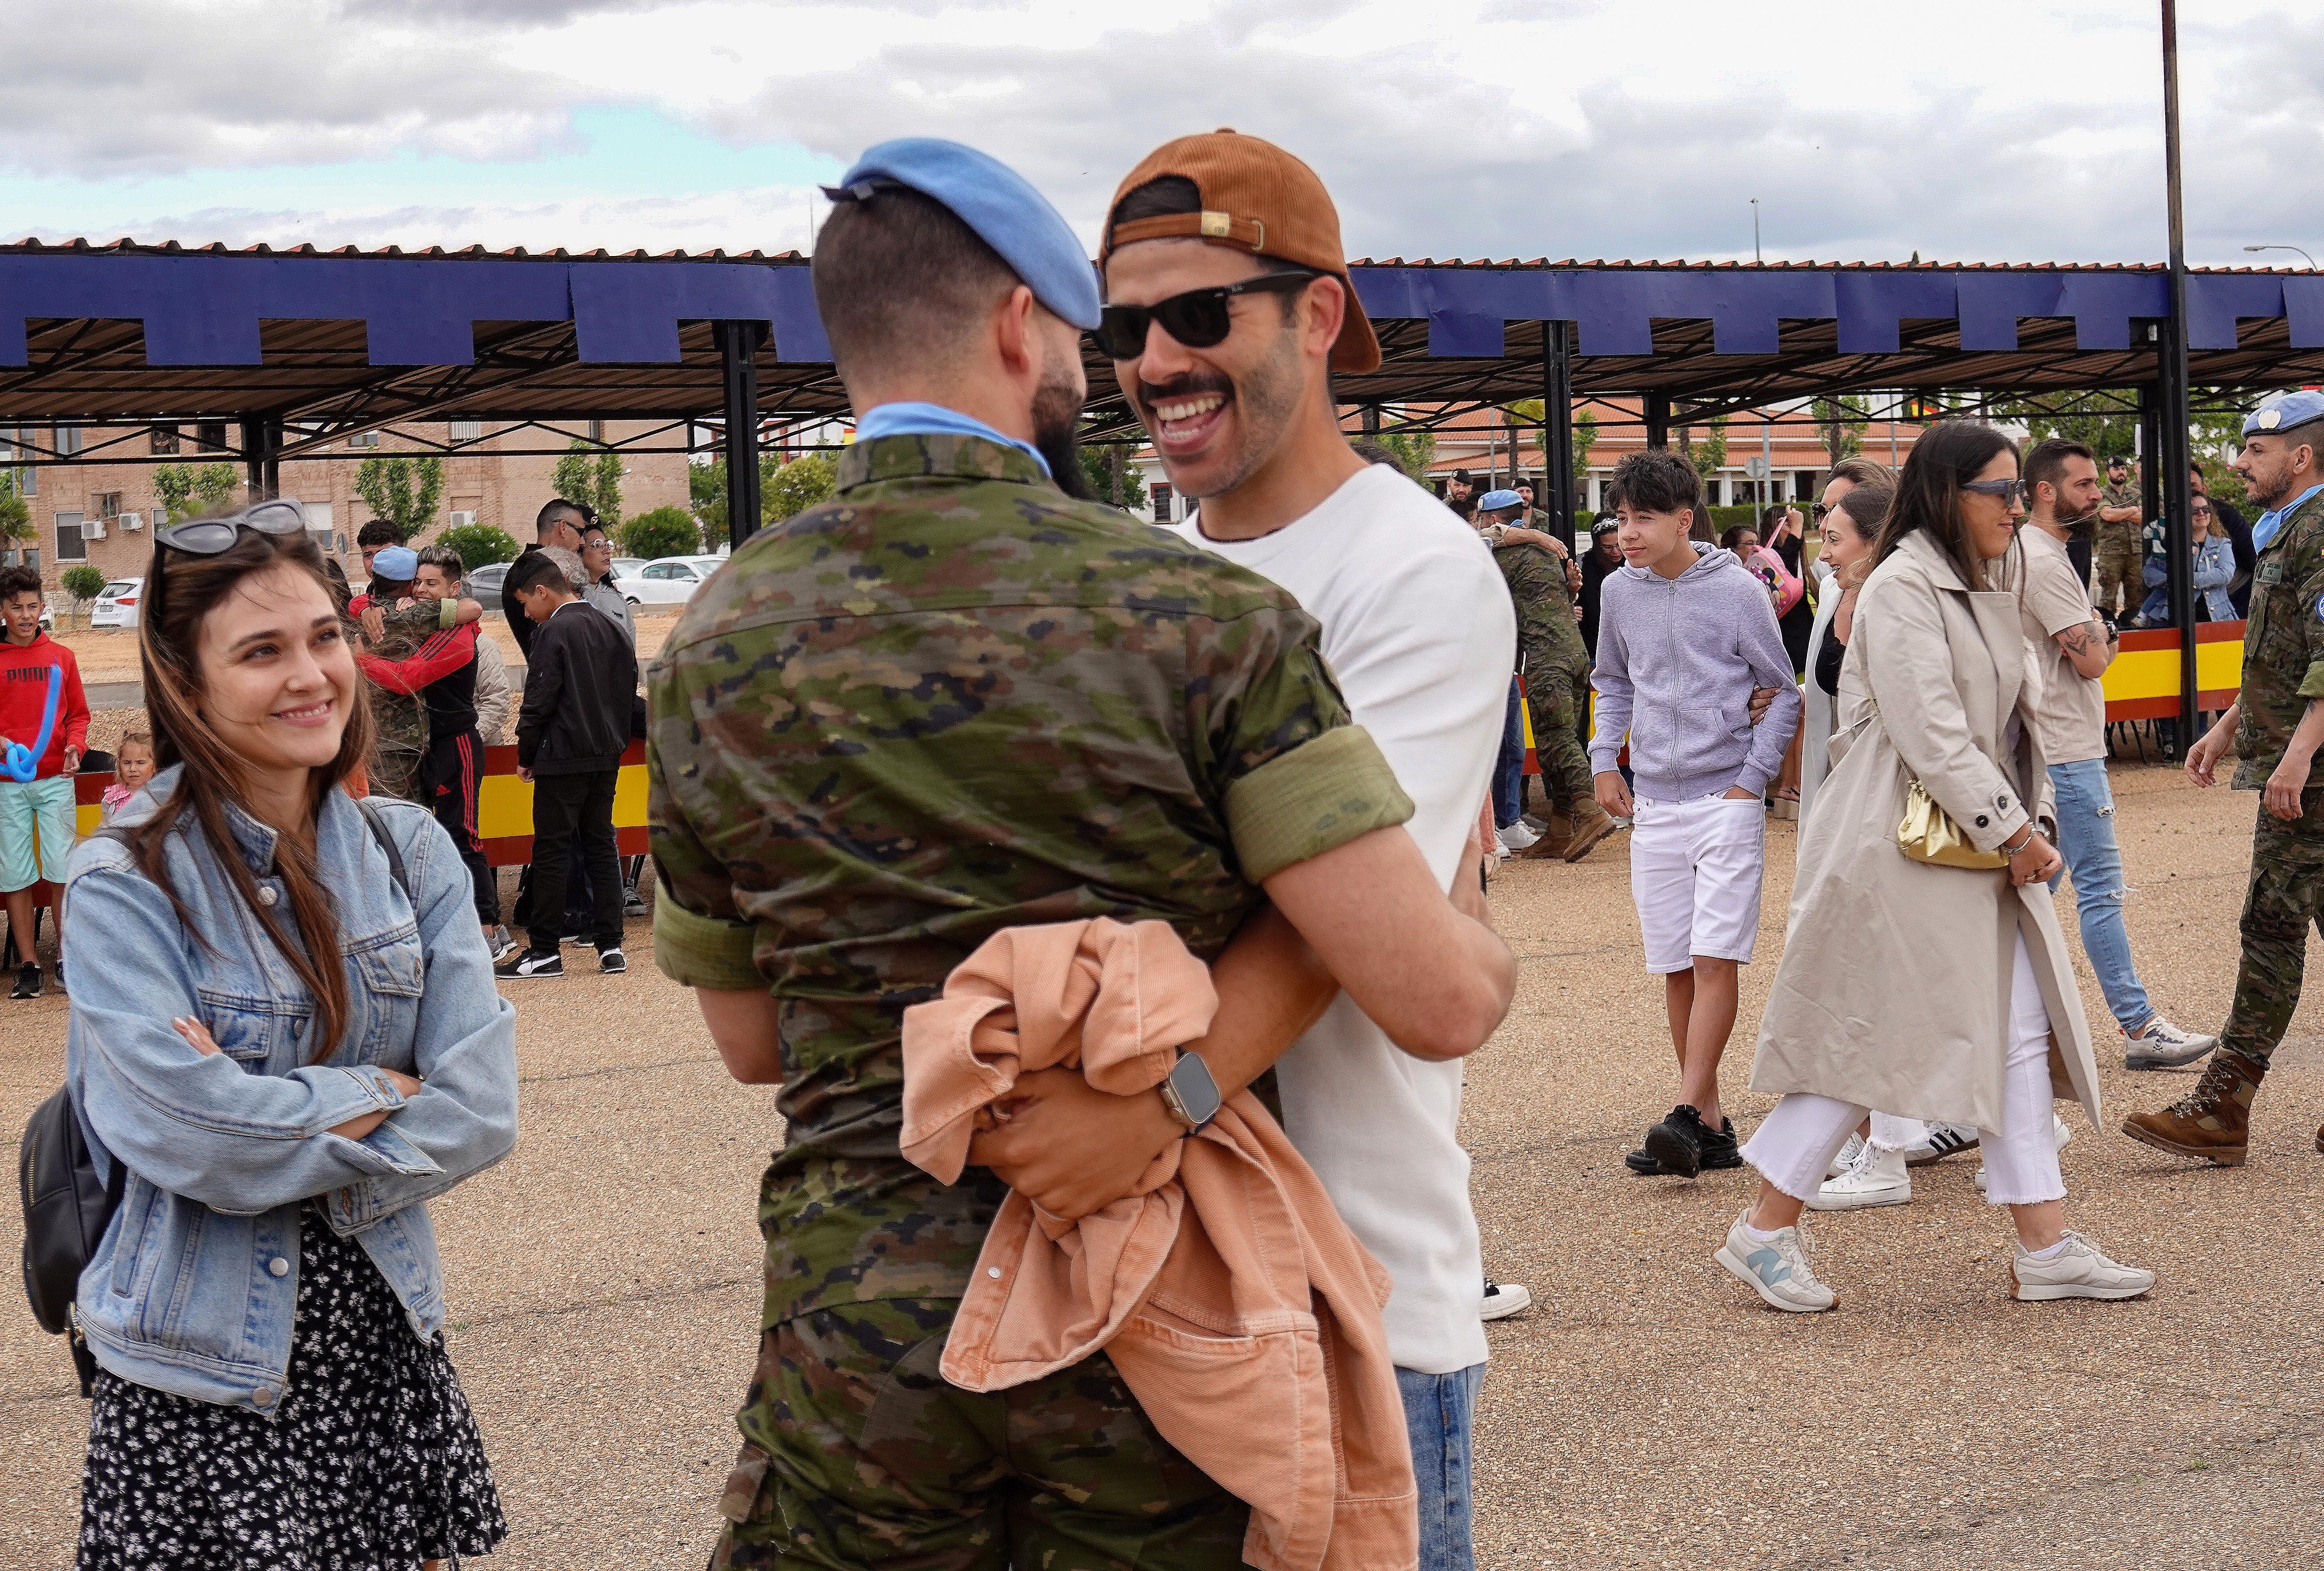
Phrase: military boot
(2212, 1122)
(1591, 824)
(1554, 838)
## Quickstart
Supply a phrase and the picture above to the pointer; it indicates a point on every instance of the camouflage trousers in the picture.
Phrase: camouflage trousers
(2284, 900)
(2115, 561)
(856, 1452)
(1557, 695)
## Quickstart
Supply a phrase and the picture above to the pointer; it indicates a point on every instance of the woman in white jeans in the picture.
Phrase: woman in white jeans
(1958, 1002)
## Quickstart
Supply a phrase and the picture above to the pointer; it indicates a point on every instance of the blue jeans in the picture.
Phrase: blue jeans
(2085, 840)
(1508, 770)
(1438, 1414)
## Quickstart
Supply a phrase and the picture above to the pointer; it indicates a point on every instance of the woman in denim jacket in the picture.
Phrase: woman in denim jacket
(265, 1308)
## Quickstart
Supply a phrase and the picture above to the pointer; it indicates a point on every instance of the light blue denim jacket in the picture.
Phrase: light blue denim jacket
(193, 1286)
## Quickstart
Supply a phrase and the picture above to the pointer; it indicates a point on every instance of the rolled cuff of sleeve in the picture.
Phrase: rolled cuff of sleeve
(699, 951)
(2311, 686)
(1314, 798)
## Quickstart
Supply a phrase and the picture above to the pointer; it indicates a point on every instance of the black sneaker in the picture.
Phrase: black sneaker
(633, 904)
(28, 982)
(1678, 1142)
(612, 962)
(528, 965)
(1719, 1150)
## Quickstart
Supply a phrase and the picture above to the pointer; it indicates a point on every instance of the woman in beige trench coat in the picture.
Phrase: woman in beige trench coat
(1957, 998)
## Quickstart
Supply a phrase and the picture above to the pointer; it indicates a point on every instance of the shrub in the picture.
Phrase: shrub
(84, 584)
(799, 485)
(478, 545)
(661, 531)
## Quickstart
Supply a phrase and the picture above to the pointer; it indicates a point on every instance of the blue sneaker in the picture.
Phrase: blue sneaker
(1776, 1268)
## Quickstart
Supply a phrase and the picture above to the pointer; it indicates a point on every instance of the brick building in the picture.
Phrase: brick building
(102, 513)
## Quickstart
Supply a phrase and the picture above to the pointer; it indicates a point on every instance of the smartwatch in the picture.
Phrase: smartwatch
(1190, 1093)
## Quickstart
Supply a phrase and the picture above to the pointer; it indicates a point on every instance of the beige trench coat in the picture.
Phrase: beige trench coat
(1894, 988)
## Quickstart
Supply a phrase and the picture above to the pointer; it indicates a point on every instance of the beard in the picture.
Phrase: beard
(1265, 399)
(1056, 413)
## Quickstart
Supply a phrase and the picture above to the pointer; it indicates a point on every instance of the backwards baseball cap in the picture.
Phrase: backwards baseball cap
(399, 563)
(2284, 411)
(1494, 500)
(1254, 197)
(995, 201)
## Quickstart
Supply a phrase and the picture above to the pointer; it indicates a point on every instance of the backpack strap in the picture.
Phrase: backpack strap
(387, 843)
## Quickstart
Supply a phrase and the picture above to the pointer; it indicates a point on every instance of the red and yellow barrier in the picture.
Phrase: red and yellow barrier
(2142, 683)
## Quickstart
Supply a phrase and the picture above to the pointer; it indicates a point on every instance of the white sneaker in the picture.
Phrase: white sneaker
(1503, 1299)
(1877, 1178)
(1944, 1139)
(1775, 1269)
(2163, 1046)
(1515, 837)
(1849, 1155)
(2078, 1271)
(2059, 1134)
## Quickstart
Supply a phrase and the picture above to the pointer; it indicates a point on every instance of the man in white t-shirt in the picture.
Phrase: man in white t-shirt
(2073, 647)
(1230, 307)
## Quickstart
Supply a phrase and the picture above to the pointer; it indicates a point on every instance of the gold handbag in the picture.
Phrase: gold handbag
(1927, 833)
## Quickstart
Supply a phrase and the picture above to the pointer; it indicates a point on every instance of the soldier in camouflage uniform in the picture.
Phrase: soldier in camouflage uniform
(947, 701)
(404, 625)
(2277, 723)
(1556, 670)
(2117, 553)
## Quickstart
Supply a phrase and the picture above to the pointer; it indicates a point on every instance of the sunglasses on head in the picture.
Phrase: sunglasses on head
(1200, 319)
(208, 537)
(2008, 490)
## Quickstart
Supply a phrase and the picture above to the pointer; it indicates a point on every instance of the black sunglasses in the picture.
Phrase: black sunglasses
(2008, 490)
(1200, 319)
(208, 537)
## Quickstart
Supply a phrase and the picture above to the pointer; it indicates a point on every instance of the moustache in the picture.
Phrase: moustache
(1150, 394)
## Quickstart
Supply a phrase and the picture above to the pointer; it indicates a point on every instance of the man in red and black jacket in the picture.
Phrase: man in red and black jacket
(36, 813)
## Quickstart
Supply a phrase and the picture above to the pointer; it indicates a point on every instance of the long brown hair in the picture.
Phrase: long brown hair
(213, 776)
(1866, 505)
(1948, 455)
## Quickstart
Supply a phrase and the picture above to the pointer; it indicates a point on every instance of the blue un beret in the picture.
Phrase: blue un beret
(397, 564)
(1494, 500)
(997, 202)
(2284, 411)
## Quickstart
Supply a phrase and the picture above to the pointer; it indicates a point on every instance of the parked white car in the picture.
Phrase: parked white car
(118, 604)
(666, 581)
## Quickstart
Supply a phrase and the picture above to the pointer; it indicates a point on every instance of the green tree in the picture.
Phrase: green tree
(1842, 422)
(185, 490)
(1711, 456)
(1585, 436)
(591, 475)
(84, 584)
(661, 531)
(1415, 449)
(16, 530)
(799, 485)
(478, 545)
(1113, 479)
(2105, 419)
(402, 490)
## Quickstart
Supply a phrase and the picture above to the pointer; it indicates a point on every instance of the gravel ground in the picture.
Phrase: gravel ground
(1647, 1412)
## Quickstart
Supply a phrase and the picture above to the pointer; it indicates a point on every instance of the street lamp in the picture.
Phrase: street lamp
(2293, 249)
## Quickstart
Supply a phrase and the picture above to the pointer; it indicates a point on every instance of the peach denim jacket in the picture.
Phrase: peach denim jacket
(1238, 1307)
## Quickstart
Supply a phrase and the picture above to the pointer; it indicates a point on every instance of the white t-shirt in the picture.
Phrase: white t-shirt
(1418, 629)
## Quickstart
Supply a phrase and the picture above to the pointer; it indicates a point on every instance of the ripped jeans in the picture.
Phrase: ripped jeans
(2085, 840)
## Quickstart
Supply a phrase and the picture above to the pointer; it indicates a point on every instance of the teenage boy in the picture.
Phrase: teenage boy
(1420, 632)
(398, 627)
(580, 691)
(2074, 646)
(36, 815)
(1684, 635)
(373, 538)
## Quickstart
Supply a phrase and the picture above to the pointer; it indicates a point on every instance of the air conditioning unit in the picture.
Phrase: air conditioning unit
(463, 520)
(130, 522)
(92, 529)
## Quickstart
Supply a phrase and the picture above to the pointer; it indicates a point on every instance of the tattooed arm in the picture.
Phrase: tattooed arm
(2088, 647)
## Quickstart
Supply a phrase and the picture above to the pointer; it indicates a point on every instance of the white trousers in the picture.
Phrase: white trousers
(1796, 1141)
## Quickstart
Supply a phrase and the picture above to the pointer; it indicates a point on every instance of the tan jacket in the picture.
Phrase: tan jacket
(1240, 1310)
(1894, 988)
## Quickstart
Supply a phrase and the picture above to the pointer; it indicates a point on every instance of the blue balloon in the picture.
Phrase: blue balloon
(20, 763)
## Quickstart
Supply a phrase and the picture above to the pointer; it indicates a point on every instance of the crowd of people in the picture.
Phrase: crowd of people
(929, 763)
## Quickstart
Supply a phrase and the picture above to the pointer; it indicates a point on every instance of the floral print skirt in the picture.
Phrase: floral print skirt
(372, 1462)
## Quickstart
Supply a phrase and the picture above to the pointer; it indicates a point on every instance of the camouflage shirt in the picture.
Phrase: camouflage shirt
(2284, 642)
(1546, 625)
(402, 718)
(947, 701)
(2129, 494)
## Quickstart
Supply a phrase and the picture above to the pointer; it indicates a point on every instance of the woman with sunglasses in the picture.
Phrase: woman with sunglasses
(2213, 571)
(293, 1043)
(1957, 981)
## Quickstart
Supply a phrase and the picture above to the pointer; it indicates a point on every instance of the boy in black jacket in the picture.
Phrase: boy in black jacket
(580, 689)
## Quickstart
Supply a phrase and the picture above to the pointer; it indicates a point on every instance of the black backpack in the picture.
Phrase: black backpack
(68, 1208)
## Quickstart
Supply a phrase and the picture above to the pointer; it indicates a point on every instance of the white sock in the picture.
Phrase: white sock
(2049, 1253)
(1755, 1236)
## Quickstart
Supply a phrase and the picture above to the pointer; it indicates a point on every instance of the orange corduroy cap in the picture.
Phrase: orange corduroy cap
(1255, 198)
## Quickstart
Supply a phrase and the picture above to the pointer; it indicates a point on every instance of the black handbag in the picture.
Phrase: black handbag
(68, 1208)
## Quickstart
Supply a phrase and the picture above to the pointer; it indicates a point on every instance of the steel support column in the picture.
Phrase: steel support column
(1658, 420)
(2171, 452)
(738, 350)
(1557, 425)
(261, 456)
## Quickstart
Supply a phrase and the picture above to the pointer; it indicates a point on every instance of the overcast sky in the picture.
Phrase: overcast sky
(1989, 130)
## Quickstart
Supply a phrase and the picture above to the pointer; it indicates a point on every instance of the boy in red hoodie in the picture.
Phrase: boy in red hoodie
(36, 815)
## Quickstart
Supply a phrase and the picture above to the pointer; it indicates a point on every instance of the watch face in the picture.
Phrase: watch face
(1198, 1094)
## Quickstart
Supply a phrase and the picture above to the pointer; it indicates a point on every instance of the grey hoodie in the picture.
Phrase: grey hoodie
(1677, 659)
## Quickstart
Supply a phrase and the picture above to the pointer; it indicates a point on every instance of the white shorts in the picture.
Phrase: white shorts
(1696, 870)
